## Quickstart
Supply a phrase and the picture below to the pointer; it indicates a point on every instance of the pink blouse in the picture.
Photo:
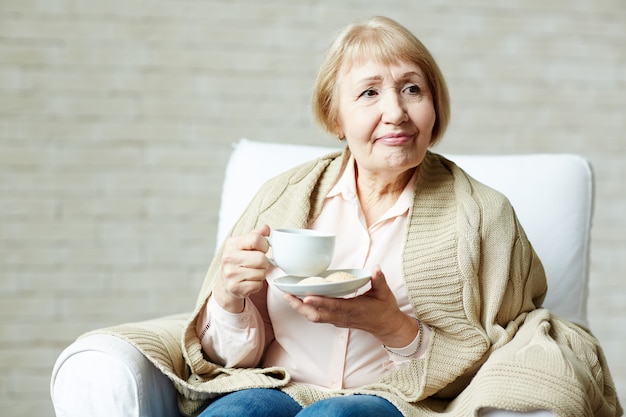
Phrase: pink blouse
(322, 354)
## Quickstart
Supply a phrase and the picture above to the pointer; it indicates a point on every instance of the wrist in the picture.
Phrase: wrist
(412, 349)
(401, 334)
(228, 301)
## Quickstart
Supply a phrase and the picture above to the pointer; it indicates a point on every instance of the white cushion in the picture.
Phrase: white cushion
(551, 193)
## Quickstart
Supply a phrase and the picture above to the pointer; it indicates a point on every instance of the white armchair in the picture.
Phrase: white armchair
(552, 195)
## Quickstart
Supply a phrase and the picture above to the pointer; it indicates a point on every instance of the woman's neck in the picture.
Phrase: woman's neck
(377, 193)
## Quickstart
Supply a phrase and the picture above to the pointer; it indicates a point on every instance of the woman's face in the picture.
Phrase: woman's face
(386, 114)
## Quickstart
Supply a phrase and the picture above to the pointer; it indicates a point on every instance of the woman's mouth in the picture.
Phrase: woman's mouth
(395, 139)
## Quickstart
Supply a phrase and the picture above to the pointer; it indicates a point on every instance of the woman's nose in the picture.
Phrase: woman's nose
(393, 108)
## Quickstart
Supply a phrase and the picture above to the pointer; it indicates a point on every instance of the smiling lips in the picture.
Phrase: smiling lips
(395, 138)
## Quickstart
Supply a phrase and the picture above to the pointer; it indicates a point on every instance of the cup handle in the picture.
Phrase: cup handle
(269, 242)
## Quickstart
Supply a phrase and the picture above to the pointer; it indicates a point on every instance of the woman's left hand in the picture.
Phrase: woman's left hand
(376, 312)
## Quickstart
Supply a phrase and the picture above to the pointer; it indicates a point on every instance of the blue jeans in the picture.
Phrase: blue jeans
(261, 402)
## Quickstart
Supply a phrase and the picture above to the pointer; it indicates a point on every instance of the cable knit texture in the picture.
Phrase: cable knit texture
(470, 273)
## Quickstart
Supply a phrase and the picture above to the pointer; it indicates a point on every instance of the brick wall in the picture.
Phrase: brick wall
(117, 117)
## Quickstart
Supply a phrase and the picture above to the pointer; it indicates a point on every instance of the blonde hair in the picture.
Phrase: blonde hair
(383, 40)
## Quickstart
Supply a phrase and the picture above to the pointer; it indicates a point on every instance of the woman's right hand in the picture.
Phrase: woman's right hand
(243, 269)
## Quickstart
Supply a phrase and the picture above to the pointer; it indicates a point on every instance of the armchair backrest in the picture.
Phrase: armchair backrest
(552, 195)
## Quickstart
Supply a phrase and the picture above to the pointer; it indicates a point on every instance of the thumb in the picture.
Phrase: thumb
(378, 278)
(263, 230)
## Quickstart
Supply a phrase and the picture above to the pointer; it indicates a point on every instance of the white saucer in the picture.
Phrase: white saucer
(289, 284)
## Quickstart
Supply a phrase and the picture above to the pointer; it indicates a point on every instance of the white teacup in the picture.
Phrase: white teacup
(301, 252)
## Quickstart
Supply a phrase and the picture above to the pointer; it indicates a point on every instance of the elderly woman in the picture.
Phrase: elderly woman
(456, 287)
(452, 320)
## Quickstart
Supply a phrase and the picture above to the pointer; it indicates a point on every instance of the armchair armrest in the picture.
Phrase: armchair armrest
(101, 375)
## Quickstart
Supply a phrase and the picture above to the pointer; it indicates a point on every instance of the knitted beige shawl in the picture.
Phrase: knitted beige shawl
(470, 272)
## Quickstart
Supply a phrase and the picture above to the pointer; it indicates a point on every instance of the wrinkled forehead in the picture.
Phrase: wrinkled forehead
(368, 73)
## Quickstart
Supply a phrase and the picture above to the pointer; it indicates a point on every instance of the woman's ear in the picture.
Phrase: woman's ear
(337, 131)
